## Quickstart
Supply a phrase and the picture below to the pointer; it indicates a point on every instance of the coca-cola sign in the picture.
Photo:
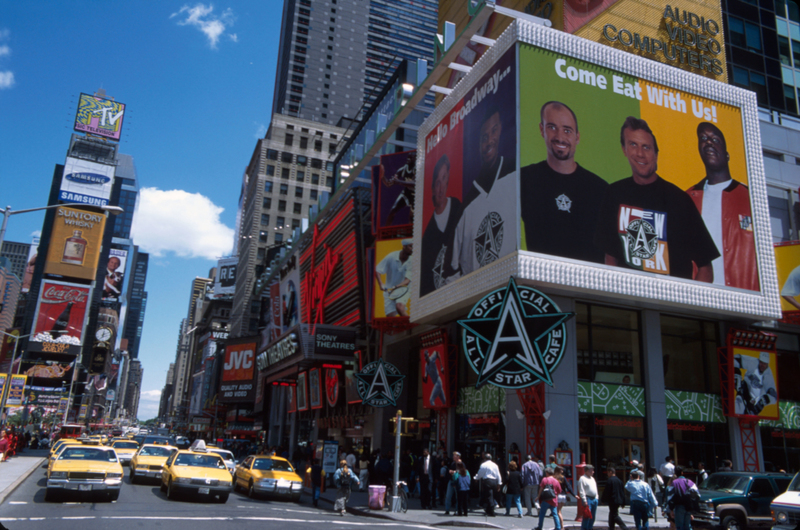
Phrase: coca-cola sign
(60, 318)
(59, 294)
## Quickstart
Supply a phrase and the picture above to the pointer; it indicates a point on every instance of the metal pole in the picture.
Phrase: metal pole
(398, 433)
(6, 215)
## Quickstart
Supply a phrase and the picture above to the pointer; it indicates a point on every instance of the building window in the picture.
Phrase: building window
(301, 176)
(303, 142)
(285, 172)
(332, 149)
(328, 166)
(329, 182)
(272, 154)
(315, 179)
(313, 195)
(298, 192)
(289, 140)
(286, 158)
(302, 160)
(752, 81)
(264, 219)
(779, 214)
(279, 238)
(267, 204)
(316, 163)
(609, 346)
(317, 145)
(689, 342)
(270, 170)
(280, 224)
(284, 189)
(281, 206)
(295, 223)
(298, 208)
(260, 254)
(262, 236)
(744, 34)
(268, 187)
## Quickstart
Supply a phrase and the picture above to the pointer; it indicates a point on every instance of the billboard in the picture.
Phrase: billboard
(755, 390)
(787, 263)
(627, 173)
(434, 373)
(60, 317)
(30, 265)
(46, 397)
(397, 175)
(52, 370)
(225, 281)
(16, 390)
(99, 116)
(86, 182)
(75, 243)
(237, 373)
(393, 278)
(115, 274)
(290, 299)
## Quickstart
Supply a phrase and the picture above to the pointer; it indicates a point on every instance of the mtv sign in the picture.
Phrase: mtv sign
(239, 362)
(100, 116)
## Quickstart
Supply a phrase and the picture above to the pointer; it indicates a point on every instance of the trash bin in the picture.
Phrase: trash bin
(376, 496)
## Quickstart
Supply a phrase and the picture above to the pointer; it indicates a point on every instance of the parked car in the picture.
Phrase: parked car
(785, 507)
(737, 500)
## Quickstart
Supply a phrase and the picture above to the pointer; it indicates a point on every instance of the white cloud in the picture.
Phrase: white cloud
(179, 222)
(261, 131)
(5, 51)
(150, 395)
(203, 18)
(6, 79)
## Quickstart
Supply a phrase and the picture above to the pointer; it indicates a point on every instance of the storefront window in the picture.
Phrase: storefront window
(781, 449)
(689, 347)
(614, 440)
(609, 348)
(691, 443)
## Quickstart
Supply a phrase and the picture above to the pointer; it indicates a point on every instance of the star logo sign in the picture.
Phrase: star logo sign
(563, 203)
(379, 384)
(514, 337)
(642, 239)
(489, 239)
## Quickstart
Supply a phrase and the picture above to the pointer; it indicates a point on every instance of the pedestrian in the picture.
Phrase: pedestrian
(462, 479)
(344, 479)
(442, 468)
(531, 477)
(702, 474)
(727, 465)
(642, 500)
(549, 490)
(451, 484)
(424, 478)
(552, 462)
(667, 469)
(363, 471)
(680, 500)
(558, 474)
(656, 484)
(614, 497)
(351, 459)
(587, 491)
(317, 475)
(3, 445)
(514, 488)
(491, 480)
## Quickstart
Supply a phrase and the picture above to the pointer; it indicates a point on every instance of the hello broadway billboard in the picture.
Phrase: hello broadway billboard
(639, 179)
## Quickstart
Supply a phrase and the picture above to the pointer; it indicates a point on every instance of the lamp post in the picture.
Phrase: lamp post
(8, 212)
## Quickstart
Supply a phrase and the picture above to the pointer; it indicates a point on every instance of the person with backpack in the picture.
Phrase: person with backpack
(656, 484)
(683, 499)
(642, 500)
(344, 480)
(549, 490)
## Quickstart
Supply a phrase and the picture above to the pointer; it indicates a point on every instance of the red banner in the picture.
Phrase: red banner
(433, 369)
(62, 307)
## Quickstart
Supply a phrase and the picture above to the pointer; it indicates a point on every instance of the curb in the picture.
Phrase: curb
(9, 490)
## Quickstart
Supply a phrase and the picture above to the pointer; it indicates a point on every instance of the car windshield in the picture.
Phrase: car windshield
(268, 464)
(227, 455)
(795, 485)
(195, 460)
(726, 484)
(155, 451)
(125, 445)
(88, 453)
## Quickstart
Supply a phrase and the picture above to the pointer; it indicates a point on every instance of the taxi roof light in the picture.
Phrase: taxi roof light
(198, 446)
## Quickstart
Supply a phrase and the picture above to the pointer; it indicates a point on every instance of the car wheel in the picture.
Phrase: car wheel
(170, 491)
(51, 495)
(163, 487)
(731, 522)
(223, 498)
(251, 491)
(133, 477)
(113, 496)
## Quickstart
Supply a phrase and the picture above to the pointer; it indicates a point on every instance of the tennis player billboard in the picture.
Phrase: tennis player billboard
(393, 279)
(610, 175)
(787, 262)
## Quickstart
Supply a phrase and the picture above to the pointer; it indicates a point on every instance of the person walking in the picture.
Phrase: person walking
(642, 500)
(3, 445)
(514, 489)
(423, 471)
(531, 477)
(656, 484)
(614, 497)
(558, 474)
(549, 490)
(587, 491)
(462, 480)
(344, 479)
(489, 475)
(317, 475)
(452, 490)
(680, 501)
(363, 471)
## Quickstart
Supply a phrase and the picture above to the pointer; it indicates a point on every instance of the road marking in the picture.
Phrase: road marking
(18, 502)
(340, 521)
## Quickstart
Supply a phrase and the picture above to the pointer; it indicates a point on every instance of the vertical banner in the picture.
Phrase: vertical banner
(398, 175)
(115, 274)
(393, 278)
(787, 263)
(63, 403)
(292, 400)
(16, 391)
(3, 384)
(75, 242)
(302, 392)
(433, 370)
(82, 413)
(315, 388)
(332, 386)
(275, 300)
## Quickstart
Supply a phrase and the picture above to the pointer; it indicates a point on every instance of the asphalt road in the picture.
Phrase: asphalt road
(144, 506)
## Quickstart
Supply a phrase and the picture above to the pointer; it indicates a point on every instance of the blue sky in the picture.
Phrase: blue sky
(197, 80)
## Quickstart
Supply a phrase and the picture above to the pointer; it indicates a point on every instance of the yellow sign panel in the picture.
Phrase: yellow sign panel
(75, 243)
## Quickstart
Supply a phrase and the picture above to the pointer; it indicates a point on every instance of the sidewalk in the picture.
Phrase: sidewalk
(17, 468)
(359, 506)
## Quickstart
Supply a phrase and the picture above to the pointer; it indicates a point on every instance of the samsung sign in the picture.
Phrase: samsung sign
(88, 178)
(86, 182)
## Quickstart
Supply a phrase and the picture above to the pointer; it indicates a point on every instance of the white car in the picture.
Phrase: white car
(785, 507)
(227, 456)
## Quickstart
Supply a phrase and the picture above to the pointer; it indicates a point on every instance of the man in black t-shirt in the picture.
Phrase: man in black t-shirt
(649, 224)
(437, 239)
(560, 199)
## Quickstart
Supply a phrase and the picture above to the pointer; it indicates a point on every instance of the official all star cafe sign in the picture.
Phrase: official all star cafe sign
(514, 337)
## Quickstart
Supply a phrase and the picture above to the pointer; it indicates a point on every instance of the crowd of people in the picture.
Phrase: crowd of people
(14, 440)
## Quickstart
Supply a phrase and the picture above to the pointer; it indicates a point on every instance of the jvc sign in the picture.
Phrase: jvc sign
(239, 362)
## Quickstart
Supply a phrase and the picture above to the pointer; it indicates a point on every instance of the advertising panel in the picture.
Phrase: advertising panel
(100, 116)
(237, 373)
(86, 182)
(787, 262)
(52, 370)
(115, 274)
(75, 243)
(225, 281)
(314, 389)
(755, 390)
(393, 278)
(398, 175)
(332, 386)
(351, 387)
(30, 265)
(45, 397)
(3, 383)
(291, 399)
(7, 344)
(302, 392)
(275, 299)
(16, 390)
(290, 300)
(433, 370)
(60, 318)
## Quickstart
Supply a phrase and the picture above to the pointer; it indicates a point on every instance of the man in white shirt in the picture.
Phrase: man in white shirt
(587, 491)
(667, 469)
(489, 475)
(396, 267)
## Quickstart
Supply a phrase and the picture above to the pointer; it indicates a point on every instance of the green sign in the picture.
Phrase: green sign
(692, 406)
(488, 398)
(618, 400)
(790, 416)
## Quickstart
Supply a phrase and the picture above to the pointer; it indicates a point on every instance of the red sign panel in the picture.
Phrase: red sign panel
(239, 362)
(62, 308)
(433, 367)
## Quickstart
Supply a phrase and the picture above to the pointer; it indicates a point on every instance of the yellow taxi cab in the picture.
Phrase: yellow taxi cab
(125, 450)
(58, 447)
(149, 460)
(260, 474)
(86, 467)
(196, 471)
